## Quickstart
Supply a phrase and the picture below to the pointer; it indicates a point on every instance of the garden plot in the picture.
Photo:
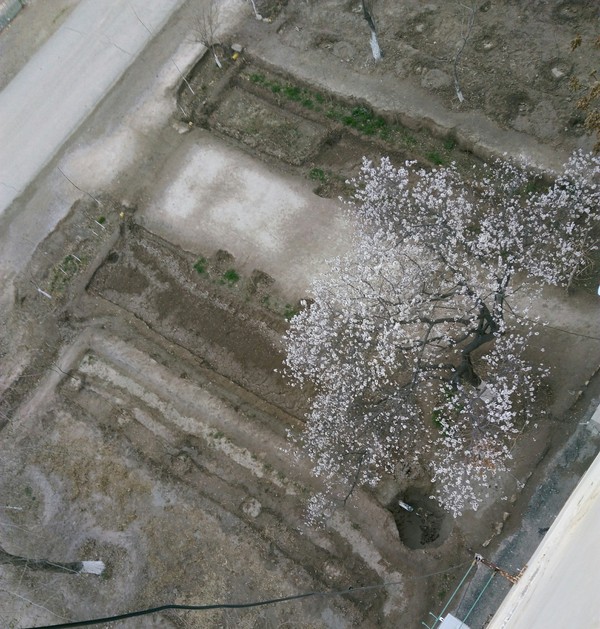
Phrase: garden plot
(123, 399)
(144, 419)
(221, 474)
(147, 277)
(277, 133)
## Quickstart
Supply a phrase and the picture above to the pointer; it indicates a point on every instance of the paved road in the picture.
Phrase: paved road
(559, 589)
(64, 81)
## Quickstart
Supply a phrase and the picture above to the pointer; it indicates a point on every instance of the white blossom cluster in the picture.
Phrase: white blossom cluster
(417, 322)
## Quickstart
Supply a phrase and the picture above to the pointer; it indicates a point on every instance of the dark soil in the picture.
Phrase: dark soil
(426, 526)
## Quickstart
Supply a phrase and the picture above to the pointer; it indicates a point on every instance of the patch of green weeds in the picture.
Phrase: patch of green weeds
(534, 186)
(364, 120)
(231, 276)
(317, 174)
(64, 272)
(293, 92)
(436, 158)
(474, 229)
(290, 311)
(435, 418)
(101, 220)
(201, 265)
(449, 144)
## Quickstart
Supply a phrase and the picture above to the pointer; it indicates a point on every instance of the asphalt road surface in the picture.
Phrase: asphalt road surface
(65, 80)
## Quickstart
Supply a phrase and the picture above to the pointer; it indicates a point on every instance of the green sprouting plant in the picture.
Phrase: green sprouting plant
(293, 92)
(290, 311)
(449, 144)
(201, 265)
(435, 157)
(317, 174)
(231, 276)
(64, 271)
(71, 264)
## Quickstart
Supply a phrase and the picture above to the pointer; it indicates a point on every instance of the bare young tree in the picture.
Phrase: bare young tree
(367, 7)
(466, 30)
(207, 26)
(257, 15)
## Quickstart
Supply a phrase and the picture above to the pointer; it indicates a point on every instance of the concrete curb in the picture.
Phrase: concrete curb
(559, 583)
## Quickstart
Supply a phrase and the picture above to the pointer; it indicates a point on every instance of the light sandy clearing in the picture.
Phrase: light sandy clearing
(211, 196)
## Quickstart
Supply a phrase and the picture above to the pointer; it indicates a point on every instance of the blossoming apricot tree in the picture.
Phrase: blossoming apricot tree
(414, 341)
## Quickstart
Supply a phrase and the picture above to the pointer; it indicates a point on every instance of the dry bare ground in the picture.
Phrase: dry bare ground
(144, 423)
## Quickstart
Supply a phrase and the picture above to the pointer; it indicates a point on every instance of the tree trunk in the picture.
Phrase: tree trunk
(368, 15)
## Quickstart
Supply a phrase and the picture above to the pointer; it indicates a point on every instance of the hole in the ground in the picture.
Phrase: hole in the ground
(427, 525)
